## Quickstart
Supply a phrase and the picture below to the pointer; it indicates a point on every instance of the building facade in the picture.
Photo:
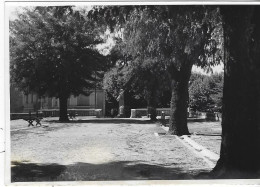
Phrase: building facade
(20, 102)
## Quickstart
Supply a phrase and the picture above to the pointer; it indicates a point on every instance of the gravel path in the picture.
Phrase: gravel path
(97, 149)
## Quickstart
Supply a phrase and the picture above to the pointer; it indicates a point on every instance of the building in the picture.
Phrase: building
(20, 102)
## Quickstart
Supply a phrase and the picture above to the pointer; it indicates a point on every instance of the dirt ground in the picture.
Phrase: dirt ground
(207, 134)
(105, 149)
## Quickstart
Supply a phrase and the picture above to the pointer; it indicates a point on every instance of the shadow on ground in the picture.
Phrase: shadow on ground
(123, 170)
(193, 120)
(113, 171)
(207, 134)
(26, 172)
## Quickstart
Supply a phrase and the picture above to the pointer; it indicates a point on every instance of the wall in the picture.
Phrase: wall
(31, 102)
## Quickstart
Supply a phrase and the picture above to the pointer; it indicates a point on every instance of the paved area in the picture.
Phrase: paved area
(99, 149)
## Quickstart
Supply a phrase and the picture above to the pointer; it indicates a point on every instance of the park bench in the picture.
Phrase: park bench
(31, 118)
(72, 114)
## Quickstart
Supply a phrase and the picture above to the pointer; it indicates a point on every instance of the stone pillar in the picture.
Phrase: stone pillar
(98, 112)
(133, 113)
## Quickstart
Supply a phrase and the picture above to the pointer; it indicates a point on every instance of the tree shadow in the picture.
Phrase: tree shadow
(197, 120)
(122, 170)
(207, 134)
(189, 120)
(113, 171)
(26, 172)
(231, 174)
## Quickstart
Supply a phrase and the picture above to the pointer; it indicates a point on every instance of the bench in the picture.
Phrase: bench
(31, 118)
(72, 114)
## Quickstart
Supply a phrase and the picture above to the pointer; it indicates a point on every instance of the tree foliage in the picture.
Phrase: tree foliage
(205, 92)
(169, 32)
(170, 40)
(145, 80)
(113, 81)
(172, 37)
(52, 51)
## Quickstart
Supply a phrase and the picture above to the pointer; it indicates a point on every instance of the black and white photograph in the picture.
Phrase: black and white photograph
(121, 91)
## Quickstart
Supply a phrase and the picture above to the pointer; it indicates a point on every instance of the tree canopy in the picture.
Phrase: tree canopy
(171, 39)
(147, 80)
(205, 92)
(52, 51)
(167, 32)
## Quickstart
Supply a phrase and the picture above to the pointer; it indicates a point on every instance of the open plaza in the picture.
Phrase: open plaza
(90, 148)
(145, 92)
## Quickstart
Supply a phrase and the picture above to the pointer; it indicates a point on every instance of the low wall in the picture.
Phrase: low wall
(140, 112)
(56, 113)
(79, 112)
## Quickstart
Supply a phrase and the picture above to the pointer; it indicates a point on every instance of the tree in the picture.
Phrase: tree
(16, 104)
(149, 80)
(117, 79)
(206, 92)
(216, 87)
(176, 38)
(240, 146)
(113, 81)
(53, 53)
(145, 80)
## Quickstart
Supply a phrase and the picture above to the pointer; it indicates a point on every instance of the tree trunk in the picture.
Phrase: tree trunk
(151, 108)
(63, 109)
(152, 113)
(240, 146)
(179, 98)
(151, 103)
(178, 112)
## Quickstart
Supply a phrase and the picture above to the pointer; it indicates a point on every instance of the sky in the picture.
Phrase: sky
(216, 69)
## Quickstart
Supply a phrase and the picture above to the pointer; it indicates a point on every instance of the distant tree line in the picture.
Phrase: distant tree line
(206, 92)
